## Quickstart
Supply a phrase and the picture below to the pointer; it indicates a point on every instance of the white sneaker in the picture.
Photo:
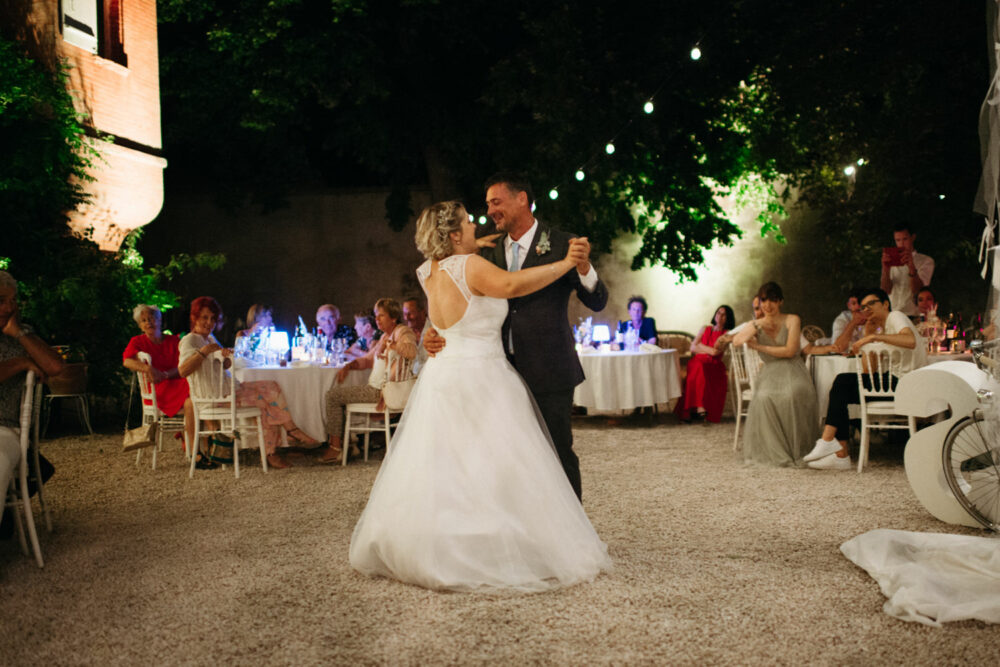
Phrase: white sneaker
(822, 448)
(831, 462)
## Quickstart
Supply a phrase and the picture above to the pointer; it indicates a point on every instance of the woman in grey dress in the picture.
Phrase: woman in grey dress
(784, 413)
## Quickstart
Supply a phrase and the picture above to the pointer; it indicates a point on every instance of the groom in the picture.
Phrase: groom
(536, 334)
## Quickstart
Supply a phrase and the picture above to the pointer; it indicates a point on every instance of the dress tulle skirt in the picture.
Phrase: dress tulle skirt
(471, 494)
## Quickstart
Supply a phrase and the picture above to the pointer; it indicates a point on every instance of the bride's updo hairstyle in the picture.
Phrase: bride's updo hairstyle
(434, 228)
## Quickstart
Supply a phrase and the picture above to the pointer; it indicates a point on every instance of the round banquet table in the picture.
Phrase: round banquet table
(305, 389)
(628, 380)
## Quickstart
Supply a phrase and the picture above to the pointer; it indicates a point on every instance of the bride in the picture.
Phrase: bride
(471, 494)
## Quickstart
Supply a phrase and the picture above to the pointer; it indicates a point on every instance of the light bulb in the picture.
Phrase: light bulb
(610, 148)
(580, 175)
(553, 194)
(695, 53)
(482, 219)
(648, 107)
(849, 170)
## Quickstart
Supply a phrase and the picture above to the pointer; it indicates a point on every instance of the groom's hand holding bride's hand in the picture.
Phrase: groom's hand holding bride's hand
(433, 343)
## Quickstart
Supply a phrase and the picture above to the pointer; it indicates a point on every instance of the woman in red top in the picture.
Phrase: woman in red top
(707, 381)
(171, 389)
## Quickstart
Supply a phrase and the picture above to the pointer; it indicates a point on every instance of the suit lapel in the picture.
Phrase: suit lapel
(499, 253)
(532, 257)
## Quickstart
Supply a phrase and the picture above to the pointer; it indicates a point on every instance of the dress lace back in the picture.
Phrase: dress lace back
(454, 266)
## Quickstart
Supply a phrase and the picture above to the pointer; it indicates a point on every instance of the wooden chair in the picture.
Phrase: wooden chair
(151, 413)
(18, 497)
(878, 407)
(71, 384)
(680, 341)
(213, 393)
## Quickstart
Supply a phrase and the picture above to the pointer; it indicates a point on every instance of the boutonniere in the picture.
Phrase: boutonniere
(543, 245)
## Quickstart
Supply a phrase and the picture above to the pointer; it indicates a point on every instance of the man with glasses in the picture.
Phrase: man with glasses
(883, 325)
(904, 270)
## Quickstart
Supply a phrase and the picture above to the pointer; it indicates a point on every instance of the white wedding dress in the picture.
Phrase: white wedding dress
(471, 494)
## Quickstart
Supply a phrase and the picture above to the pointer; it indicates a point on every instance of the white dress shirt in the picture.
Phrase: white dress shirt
(589, 280)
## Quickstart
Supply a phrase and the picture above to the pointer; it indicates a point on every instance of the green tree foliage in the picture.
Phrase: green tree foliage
(420, 91)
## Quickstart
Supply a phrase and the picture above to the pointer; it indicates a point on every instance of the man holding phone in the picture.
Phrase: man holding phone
(904, 270)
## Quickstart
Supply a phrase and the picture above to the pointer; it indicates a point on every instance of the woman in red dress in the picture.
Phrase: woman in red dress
(707, 381)
(171, 389)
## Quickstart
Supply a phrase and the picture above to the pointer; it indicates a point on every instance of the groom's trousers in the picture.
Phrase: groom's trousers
(557, 409)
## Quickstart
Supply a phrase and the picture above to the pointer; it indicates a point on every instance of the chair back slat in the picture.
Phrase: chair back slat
(753, 363)
(147, 391)
(884, 362)
(27, 411)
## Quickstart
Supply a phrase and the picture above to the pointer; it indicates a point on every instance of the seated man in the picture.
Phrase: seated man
(849, 318)
(328, 324)
(883, 325)
(415, 316)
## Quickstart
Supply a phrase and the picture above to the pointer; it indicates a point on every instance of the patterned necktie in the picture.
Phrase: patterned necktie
(515, 263)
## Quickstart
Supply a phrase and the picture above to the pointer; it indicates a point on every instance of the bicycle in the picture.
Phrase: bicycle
(971, 451)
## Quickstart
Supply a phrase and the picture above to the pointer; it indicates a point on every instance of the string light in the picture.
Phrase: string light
(695, 53)
(580, 175)
(553, 194)
(648, 106)
(849, 170)
(861, 162)
(940, 196)
(482, 219)
(471, 218)
(610, 148)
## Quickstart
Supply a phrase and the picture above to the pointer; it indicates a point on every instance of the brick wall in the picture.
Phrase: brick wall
(122, 101)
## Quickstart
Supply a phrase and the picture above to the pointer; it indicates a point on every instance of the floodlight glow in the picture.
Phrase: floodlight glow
(648, 107)
(579, 174)
(553, 194)
(849, 170)
(601, 333)
(610, 148)
(695, 53)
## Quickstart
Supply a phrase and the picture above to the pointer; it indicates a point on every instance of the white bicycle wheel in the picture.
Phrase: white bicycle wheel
(971, 459)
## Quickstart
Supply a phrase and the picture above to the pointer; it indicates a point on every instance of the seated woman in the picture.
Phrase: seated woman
(883, 325)
(396, 337)
(367, 331)
(20, 351)
(707, 381)
(328, 324)
(172, 393)
(784, 411)
(195, 348)
(259, 318)
(646, 326)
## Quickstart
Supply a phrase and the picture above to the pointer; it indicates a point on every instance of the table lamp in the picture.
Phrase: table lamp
(601, 333)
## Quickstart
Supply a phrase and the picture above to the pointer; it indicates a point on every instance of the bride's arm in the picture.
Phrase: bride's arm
(486, 278)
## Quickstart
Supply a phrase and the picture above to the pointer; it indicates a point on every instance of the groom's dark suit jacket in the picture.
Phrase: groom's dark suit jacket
(544, 350)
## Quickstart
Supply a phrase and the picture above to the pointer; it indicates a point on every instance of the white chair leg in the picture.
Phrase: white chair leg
(863, 450)
(736, 436)
(29, 516)
(86, 413)
(260, 444)
(12, 501)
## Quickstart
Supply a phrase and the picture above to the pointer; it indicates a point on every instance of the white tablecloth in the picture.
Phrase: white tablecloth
(305, 390)
(628, 380)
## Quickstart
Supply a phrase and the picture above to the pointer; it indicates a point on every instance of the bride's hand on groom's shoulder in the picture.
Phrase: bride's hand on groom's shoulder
(433, 342)
(488, 241)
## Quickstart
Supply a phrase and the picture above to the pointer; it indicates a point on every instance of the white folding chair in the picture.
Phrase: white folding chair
(745, 366)
(359, 416)
(151, 412)
(18, 498)
(878, 407)
(213, 393)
